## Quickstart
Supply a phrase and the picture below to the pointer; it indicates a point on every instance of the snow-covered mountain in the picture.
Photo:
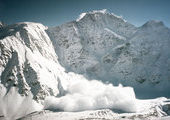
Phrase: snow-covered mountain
(42, 63)
(1, 24)
(101, 45)
(29, 65)
(27, 57)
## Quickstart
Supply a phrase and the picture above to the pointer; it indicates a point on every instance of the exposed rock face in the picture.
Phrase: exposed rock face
(103, 46)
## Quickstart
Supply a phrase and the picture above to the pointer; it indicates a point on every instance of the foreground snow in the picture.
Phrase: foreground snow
(153, 109)
(80, 95)
(148, 110)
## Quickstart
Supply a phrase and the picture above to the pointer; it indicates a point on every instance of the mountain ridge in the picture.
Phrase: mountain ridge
(94, 38)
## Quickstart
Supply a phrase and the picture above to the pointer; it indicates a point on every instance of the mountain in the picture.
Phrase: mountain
(1, 24)
(30, 67)
(26, 55)
(101, 45)
(81, 65)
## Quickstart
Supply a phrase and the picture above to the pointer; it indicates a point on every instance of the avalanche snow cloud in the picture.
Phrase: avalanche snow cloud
(60, 67)
(82, 95)
(13, 105)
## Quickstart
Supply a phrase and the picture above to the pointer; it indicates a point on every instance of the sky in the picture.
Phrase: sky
(57, 12)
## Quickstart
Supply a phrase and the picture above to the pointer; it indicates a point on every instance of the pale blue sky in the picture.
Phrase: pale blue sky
(56, 12)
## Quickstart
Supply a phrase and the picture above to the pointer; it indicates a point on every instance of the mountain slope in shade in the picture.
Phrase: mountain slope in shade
(101, 45)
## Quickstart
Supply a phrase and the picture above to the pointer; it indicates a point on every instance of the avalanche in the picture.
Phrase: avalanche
(13, 105)
(92, 95)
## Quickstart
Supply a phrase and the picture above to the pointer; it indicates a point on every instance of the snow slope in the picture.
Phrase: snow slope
(26, 56)
(149, 110)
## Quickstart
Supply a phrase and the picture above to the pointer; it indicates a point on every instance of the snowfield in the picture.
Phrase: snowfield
(149, 110)
(96, 67)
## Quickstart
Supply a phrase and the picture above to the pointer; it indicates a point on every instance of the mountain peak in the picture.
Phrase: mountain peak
(82, 15)
(102, 12)
(1, 24)
(153, 23)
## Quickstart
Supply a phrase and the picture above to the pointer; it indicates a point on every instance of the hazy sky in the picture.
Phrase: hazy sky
(56, 12)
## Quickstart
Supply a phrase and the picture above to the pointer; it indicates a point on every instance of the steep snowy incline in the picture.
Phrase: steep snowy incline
(26, 58)
(101, 45)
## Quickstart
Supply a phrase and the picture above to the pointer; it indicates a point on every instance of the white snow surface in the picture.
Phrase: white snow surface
(82, 95)
(13, 105)
(81, 16)
(149, 110)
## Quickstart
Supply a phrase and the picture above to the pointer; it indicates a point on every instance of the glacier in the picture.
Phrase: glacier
(85, 67)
